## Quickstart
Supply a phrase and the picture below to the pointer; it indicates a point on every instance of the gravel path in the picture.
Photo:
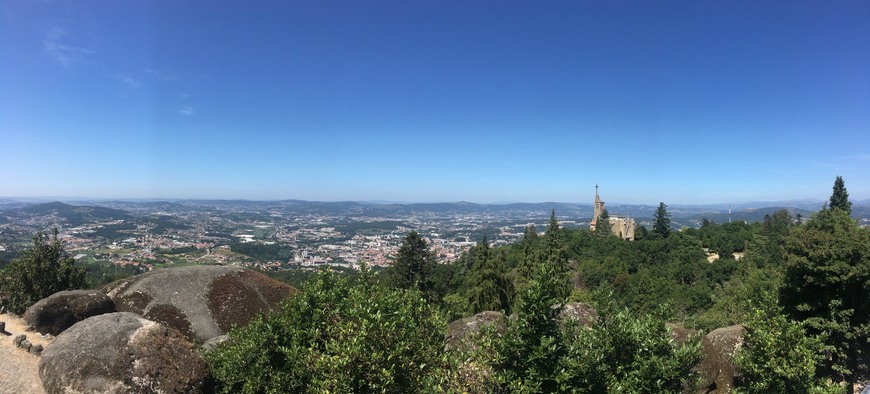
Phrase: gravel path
(18, 369)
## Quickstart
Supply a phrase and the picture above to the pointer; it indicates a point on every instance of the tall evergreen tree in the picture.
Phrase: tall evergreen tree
(662, 223)
(488, 290)
(840, 197)
(556, 256)
(531, 253)
(602, 224)
(414, 265)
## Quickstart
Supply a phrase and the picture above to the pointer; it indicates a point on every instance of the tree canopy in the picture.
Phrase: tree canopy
(40, 271)
(662, 221)
(826, 283)
(840, 197)
(602, 224)
(414, 265)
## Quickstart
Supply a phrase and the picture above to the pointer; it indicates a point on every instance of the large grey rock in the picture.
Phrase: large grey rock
(59, 311)
(584, 314)
(463, 332)
(121, 353)
(200, 301)
(717, 370)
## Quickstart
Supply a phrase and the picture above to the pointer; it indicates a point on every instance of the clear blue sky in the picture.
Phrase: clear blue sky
(485, 101)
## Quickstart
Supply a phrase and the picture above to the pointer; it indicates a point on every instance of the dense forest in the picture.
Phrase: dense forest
(798, 286)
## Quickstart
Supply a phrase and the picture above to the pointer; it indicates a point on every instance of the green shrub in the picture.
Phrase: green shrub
(628, 353)
(621, 352)
(336, 336)
(778, 356)
(38, 272)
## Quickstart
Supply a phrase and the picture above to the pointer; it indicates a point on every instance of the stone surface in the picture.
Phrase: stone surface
(717, 370)
(202, 302)
(584, 314)
(36, 349)
(680, 334)
(59, 311)
(121, 352)
(212, 343)
(17, 340)
(462, 332)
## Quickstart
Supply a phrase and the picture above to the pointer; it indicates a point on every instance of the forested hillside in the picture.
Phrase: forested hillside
(798, 286)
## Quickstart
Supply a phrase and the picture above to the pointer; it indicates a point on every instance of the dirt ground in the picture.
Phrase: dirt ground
(18, 369)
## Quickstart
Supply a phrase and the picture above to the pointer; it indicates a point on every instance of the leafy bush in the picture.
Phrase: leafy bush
(38, 272)
(628, 353)
(528, 356)
(622, 352)
(337, 336)
(778, 356)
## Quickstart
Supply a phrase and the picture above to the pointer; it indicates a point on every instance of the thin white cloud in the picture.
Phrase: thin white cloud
(130, 82)
(66, 55)
(159, 75)
(185, 111)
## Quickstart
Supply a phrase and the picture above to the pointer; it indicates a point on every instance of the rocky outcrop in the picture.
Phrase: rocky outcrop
(584, 314)
(717, 370)
(59, 311)
(680, 334)
(202, 302)
(121, 352)
(464, 331)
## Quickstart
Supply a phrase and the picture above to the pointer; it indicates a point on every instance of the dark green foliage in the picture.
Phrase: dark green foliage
(555, 255)
(827, 280)
(628, 353)
(840, 197)
(296, 277)
(777, 356)
(662, 221)
(490, 289)
(622, 352)
(262, 252)
(336, 336)
(734, 300)
(414, 266)
(101, 273)
(39, 272)
(530, 245)
(529, 353)
(727, 238)
(602, 224)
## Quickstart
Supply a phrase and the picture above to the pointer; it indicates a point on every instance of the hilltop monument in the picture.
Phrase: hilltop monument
(620, 225)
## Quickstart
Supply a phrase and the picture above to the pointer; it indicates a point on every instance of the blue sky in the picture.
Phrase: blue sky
(485, 101)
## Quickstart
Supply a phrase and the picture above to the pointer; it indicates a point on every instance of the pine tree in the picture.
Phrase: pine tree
(662, 223)
(414, 265)
(602, 224)
(556, 256)
(531, 252)
(488, 290)
(840, 197)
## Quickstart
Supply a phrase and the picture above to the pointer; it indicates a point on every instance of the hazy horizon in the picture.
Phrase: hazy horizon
(683, 102)
(73, 199)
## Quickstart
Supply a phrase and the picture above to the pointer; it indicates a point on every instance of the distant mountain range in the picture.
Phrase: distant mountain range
(682, 215)
(73, 215)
